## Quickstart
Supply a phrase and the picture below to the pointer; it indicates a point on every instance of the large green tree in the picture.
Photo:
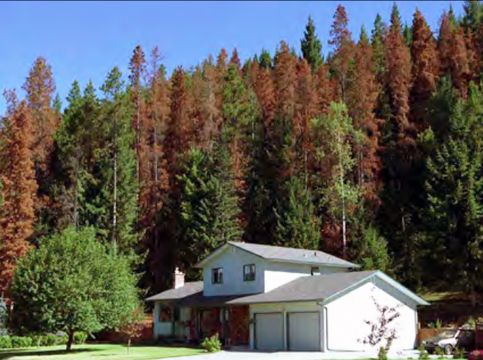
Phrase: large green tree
(72, 283)
(311, 46)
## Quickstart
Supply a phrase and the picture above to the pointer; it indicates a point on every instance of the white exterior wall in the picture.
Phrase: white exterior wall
(284, 308)
(345, 318)
(279, 273)
(232, 261)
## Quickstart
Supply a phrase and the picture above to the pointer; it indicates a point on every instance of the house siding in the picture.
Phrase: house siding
(232, 261)
(278, 273)
(345, 318)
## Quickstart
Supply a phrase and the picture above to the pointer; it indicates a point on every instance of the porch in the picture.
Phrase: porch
(191, 324)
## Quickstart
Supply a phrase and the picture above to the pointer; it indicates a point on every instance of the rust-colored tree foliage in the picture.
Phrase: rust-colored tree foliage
(40, 88)
(362, 99)
(265, 91)
(235, 60)
(445, 39)
(459, 64)
(343, 48)
(179, 132)
(18, 192)
(285, 82)
(425, 70)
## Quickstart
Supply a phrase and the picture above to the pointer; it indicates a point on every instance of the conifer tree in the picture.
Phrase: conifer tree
(311, 46)
(19, 188)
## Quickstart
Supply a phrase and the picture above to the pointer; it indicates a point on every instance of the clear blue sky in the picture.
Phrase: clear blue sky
(84, 40)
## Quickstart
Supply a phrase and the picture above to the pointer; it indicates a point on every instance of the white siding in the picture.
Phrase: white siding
(278, 273)
(232, 261)
(345, 319)
(284, 308)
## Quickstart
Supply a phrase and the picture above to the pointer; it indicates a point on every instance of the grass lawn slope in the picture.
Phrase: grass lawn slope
(96, 352)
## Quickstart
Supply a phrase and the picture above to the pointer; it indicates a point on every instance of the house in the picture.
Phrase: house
(276, 298)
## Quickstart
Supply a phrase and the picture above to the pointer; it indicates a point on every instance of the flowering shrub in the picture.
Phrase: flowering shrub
(476, 355)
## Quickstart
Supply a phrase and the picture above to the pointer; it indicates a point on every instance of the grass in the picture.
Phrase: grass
(96, 352)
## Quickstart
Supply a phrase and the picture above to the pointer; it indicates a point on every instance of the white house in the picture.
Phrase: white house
(275, 298)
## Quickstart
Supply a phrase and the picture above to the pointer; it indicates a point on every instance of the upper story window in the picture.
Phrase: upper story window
(217, 276)
(314, 270)
(249, 272)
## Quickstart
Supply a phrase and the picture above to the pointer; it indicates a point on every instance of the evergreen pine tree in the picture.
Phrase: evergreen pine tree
(311, 46)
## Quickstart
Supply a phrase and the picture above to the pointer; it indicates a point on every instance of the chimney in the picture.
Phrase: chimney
(178, 278)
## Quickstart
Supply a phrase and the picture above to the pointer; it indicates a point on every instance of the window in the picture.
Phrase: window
(314, 270)
(217, 276)
(249, 272)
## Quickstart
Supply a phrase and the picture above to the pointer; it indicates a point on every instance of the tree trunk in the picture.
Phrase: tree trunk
(114, 206)
(128, 345)
(70, 340)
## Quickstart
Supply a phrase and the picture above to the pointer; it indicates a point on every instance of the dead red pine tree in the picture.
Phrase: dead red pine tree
(265, 91)
(343, 48)
(362, 100)
(235, 60)
(18, 192)
(425, 71)
(459, 63)
(445, 39)
(179, 132)
(285, 82)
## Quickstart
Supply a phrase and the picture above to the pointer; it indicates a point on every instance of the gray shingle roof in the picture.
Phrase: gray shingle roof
(189, 289)
(308, 288)
(285, 254)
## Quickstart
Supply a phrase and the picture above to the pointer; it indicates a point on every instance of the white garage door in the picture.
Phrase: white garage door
(304, 331)
(269, 331)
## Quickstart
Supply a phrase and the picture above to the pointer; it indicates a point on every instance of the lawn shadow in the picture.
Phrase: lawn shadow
(7, 354)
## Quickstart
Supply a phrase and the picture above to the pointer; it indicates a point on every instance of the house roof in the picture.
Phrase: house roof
(306, 288)
(284, 254)
(191, 295)
(322, 288)
(188, 289)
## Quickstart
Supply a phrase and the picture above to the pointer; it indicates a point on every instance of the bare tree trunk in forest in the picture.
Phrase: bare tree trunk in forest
(70, 340)
(138, 137)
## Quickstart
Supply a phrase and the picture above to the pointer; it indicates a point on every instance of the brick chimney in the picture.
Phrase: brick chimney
(178, 280)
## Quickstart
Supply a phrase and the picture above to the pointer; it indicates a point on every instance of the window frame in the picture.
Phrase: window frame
(254, 276)
(218, 271)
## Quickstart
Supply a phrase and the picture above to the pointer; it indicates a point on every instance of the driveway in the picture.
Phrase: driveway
(290, 355)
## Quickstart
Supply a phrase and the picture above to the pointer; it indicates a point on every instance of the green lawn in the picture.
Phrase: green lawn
(96, 352)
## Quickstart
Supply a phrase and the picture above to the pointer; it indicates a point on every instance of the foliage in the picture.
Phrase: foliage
(72, 283)
(458, 353)
(423, 353)
(439, 352)
(212, 344)
(382, 354)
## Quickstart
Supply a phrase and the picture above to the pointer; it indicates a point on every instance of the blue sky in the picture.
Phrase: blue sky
(84, 40)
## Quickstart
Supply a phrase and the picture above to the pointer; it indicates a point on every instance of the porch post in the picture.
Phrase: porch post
(172, 320)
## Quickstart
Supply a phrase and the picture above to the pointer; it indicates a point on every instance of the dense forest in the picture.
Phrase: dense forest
(373, 153)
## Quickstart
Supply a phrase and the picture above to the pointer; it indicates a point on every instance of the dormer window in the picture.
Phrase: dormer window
(249, 272)
(217, 276)
(314, 270)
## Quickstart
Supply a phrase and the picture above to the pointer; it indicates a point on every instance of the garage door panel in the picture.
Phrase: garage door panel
(304, 331)
(269, 331)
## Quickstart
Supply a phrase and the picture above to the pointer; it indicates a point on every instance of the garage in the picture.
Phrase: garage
(304, 331)
(269, 331)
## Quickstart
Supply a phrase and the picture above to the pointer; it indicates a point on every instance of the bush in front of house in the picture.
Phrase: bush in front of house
(459, 353)
(80, 338)
(212, 344)
(5, 342)
(476, 355)
(21, 342)
(423, 353)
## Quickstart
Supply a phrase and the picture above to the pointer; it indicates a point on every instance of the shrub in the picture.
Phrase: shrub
(458, 353)
(212, 344)
(37, 340)
(475, 355)
(423, 353)
(439, 352)
(52, 339)
(5, 342)
(80, 338)
(21, 341)
(382, 355)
